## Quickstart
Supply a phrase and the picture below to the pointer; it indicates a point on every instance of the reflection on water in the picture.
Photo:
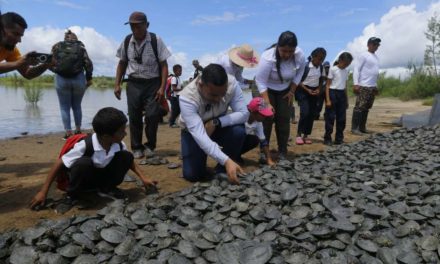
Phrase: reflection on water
(32, 111)
(18, 117)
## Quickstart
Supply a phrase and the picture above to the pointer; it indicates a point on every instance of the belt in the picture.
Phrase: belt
(278, 92)
(139, 80)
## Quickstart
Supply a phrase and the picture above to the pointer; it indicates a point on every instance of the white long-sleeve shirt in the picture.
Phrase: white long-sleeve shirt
(366, 70)
(291, 71)
(194, 113)
(232, 69)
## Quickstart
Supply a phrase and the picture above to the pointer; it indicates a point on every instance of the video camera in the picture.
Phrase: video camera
(41, 57)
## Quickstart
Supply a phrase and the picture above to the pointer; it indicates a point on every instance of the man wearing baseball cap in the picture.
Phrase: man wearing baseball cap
(365, 74)
(258, 112)
(143, 57)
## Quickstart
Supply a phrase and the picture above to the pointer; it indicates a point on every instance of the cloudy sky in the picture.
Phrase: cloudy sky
(206, 29)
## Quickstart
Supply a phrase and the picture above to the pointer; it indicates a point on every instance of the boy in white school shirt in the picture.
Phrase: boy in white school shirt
(104, 169)
(176, 87)
(258, 112)
(336, 100)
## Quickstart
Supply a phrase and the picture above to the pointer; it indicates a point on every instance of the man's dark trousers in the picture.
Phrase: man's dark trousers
(231, 140)
(139, 93)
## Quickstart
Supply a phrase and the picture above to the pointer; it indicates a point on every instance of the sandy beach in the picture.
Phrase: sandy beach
(28, 159)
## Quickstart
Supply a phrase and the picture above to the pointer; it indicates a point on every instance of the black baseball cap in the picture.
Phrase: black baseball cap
(136, 18)
(374, 40)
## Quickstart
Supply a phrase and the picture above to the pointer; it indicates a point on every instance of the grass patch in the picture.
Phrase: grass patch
(428, 101)
(33, 95)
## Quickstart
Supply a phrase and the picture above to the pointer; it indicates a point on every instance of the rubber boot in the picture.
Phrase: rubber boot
(355, 122)
(363, 122)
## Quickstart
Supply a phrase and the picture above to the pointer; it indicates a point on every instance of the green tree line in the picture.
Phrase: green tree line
(47, 81)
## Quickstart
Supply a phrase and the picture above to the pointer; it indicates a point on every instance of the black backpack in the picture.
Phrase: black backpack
(69, 58)
(153, 45)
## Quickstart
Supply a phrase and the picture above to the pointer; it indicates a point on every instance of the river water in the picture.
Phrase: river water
(18, 117)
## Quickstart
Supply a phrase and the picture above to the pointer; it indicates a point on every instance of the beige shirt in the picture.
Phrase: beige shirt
(149, 67)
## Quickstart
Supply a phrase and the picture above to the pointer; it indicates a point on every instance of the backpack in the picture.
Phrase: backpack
(62, 177)
(169, 87)
(69, 58)
(153, 45)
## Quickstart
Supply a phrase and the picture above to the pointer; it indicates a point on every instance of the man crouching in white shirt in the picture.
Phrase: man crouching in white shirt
(207, 127)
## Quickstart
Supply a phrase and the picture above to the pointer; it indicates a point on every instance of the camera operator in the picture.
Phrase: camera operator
(12, 31)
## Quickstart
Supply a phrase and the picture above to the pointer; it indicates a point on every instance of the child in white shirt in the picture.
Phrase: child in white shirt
(336, 100)
(259, 111)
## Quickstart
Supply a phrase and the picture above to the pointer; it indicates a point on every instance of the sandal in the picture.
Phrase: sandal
(299, 141)
(307, 141)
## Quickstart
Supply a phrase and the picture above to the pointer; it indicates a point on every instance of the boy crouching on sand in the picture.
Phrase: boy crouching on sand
(258, 112)
(100, 161)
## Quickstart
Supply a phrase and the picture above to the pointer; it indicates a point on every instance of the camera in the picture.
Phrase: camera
(138, 59)
(41, 57)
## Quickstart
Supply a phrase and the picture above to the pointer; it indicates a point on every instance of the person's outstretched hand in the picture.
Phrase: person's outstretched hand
(232, 169)
(38, 200)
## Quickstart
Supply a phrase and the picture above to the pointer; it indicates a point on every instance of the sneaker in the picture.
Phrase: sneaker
(66, 136)
(307, 141)
(299, 141)
(138, 154)
(328, 142)
(149, 153)
(356, 132)
(282, 156)
(112, 193)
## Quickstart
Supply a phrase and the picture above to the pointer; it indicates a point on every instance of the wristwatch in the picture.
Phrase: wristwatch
(217, 123)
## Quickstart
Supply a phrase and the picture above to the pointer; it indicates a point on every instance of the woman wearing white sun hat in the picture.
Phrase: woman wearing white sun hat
(235, 61)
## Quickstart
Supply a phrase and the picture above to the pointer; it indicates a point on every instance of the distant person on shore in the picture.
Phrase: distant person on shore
(278, 75)
(70, 61)
(238, 58)
(207, 125)
(258, 112)
(336, 99)
(99, 161)
(365, 74)
(198, 68)
(307, 95)
(176, 87)
(13, 29)
(321, 97)
(143, 57)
